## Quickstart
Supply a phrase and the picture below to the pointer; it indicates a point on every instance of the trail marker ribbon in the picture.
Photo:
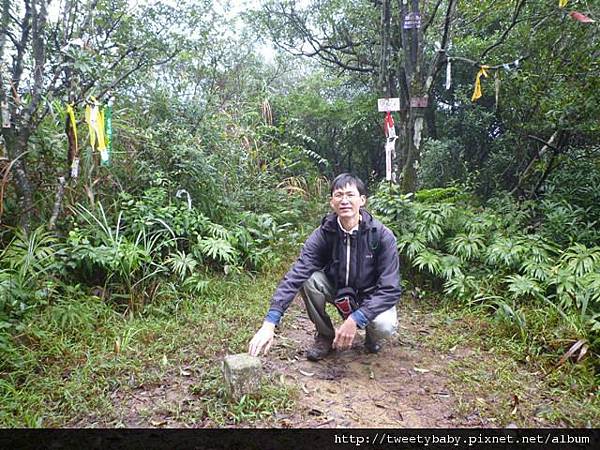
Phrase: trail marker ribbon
(477, 91)
(390, 144)
(388, 105)
(71, 130)
(94, 117)
(5, 115)
(108, 130)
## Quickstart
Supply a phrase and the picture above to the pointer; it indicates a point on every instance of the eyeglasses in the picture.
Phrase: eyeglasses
(339, 196)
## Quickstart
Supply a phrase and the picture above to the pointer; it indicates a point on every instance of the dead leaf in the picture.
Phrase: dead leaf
(158, 423)
(417, 369)
(582, 353)
(576, 346)
(305, 389)
(306, 374)
(515, 403)
(322, 424)
(185, 373)
(117, 346)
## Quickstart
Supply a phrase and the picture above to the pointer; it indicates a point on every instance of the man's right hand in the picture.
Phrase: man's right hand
(262, 340)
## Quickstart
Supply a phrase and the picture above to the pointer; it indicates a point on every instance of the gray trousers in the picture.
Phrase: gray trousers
(318, 290)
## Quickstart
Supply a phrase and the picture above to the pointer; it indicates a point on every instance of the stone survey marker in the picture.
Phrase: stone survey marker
(242, 374)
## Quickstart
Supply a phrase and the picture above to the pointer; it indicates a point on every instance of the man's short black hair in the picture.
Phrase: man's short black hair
(345, 179)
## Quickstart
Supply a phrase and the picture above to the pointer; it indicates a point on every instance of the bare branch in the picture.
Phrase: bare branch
(515, 16)
(21, 46)
(479, 64)
(4, 27)
(437, 60)
(432, 16)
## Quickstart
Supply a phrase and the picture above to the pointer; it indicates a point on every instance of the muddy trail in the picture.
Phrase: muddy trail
(407, 384)
(404, 385)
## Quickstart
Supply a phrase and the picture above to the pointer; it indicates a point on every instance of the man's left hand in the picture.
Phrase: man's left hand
(344, 335)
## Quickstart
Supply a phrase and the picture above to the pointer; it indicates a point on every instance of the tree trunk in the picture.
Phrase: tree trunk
(416, 82)
(16, 146)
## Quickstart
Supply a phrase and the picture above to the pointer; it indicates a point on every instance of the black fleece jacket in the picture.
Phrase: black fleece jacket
(373, 272)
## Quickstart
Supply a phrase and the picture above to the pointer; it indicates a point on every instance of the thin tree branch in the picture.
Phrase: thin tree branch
(479, 64)
(515, 16)
(432, 16)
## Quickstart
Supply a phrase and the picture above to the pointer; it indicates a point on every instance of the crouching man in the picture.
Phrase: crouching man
(351, 260)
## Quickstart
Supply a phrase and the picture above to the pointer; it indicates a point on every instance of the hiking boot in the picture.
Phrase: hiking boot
(371, 345)
(320, 349)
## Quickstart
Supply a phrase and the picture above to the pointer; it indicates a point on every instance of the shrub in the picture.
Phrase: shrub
(496, 256)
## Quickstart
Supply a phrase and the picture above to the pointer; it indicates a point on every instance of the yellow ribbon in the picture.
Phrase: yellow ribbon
(477, 92)
(562, 3)
(71, 115)
(94, 116)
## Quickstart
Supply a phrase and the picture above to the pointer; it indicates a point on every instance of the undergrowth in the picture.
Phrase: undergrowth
(500, 378)
(506, 259)
(78, 361)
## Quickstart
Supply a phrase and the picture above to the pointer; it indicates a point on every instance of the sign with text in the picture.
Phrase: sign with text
(412, 20)
(418, 102)
(388, 104)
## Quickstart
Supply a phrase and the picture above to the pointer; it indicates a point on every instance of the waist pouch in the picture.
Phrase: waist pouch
(345, 302)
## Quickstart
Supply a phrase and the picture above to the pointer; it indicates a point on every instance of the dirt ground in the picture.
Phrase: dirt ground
(405, 385)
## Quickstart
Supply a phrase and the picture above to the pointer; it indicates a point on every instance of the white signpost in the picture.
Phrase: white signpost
(387, 105)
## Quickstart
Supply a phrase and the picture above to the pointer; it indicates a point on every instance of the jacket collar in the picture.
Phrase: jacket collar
(330, 223)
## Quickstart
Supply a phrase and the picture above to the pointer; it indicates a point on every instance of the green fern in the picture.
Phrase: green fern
(428, 259)
(537, 248)
(522, 286)
(467, 246)
(462, 287)
(450, 267)
(477, 224)
(217, 249)
(432, 231)
(537, 270)
(504, 251)
(182, 264)
(581, 260)
(195, 284)
(30, 255)
(218, 231)
(411, 244)
(566, 285)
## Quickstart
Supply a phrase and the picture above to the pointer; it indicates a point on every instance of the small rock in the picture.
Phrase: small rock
(242, 374)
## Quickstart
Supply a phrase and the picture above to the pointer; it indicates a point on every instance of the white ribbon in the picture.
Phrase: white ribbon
(180, 193)
(390, 150)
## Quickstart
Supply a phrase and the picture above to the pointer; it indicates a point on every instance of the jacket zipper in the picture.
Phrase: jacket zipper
(347, 258)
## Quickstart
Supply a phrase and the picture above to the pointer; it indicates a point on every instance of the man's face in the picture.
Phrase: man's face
(347, 201)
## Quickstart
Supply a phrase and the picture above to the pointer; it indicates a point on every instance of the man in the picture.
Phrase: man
(351, 260)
